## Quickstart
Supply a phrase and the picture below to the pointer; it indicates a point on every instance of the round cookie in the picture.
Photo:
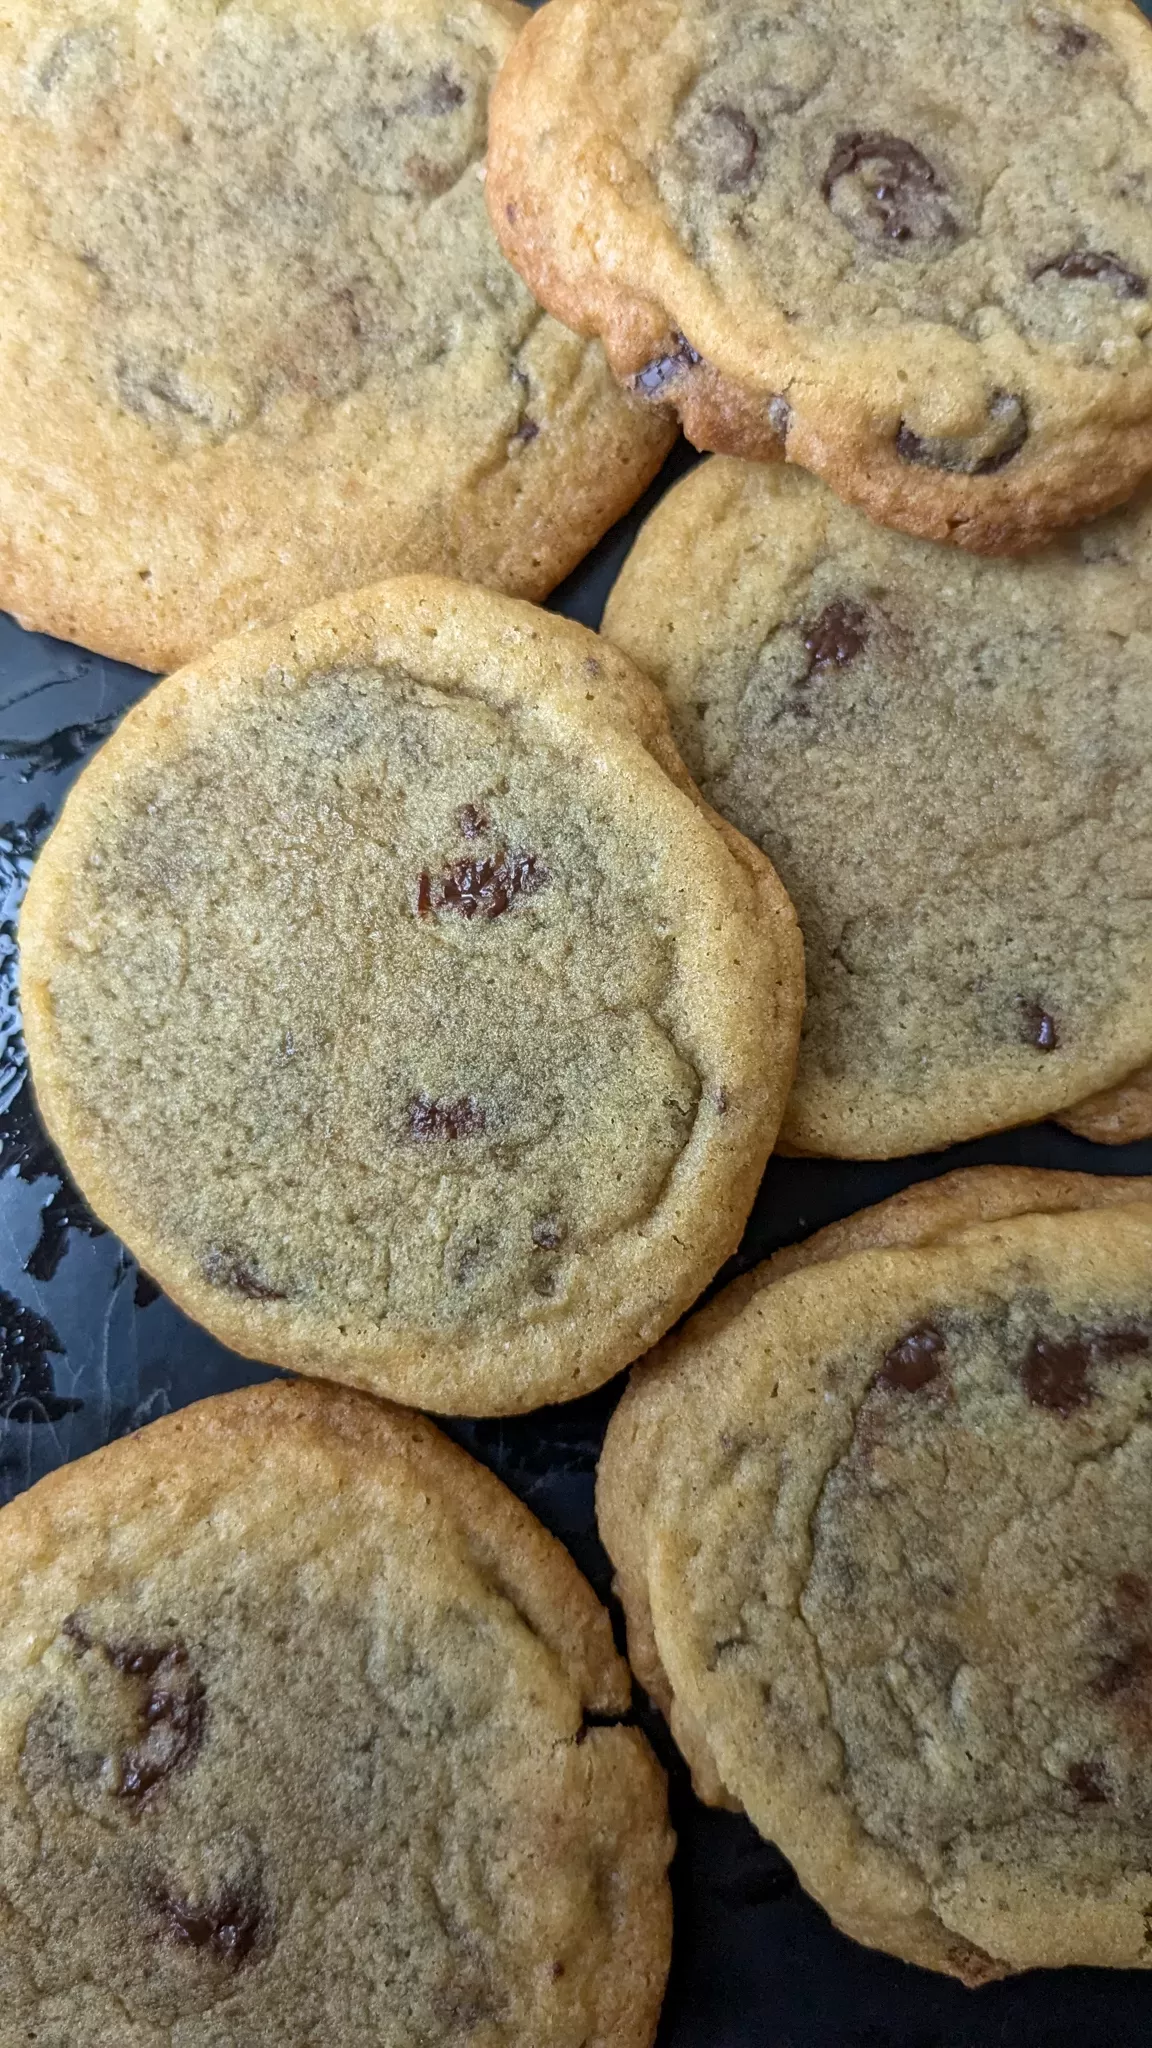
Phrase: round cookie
(909, 248)
(949, 759)
(881, 1532)
(257, 341)
(300, 1741)
(392, 995)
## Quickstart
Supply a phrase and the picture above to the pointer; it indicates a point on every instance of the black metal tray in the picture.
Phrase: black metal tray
(89, 1350)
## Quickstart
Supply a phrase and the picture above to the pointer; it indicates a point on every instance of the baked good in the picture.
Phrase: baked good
(308, 1732)
(257, 342)
(1118, 1116)
(949, 760)
(392, 996)
(881, 1521)
(910, 249)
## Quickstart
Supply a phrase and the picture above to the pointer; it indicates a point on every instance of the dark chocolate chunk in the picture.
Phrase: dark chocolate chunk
(1086, 1780)
(226, 1929)
(1039, 1027)
(484, 887)
(893, 192)
(225, 1269)
(428, 1119)
(663, 370)
(837, 636)
(980, 455)
(1055, 1374)
(1097, 266)
(914, 1362)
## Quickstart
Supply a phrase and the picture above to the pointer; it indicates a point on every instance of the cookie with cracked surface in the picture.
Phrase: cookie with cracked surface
(949, 759)
(394, 997)
(897, 1596)
(257, 340)
(300, 1741)
(908, 248)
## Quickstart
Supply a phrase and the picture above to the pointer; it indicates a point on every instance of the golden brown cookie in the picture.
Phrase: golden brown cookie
(391, 993)
(301, 1740)
(257, 341)
(881, 1531)
(908, 250)
(949, 761)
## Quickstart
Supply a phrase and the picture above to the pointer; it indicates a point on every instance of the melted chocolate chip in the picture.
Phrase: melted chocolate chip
(1055, 1374)
(1097, 266)
(226, 1929)
(727, 145)
(526, 431)
(482, 887)
(884, 189)
(1068, 37)
(428, 1119)
(172, 1723)
(1086, 1780)
(663, 370)
(1126, 1673)
(472, 822)
(1039, 1027)
(441, 95)
(914, 1362)
(983, 454)
(224, 1269)
(837, 636)
(547, 1234)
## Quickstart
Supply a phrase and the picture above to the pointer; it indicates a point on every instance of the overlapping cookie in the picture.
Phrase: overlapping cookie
(257, 342)
(301, 1740)
(949, 760)
(908, 248)
(391, 993)
(882, 1523)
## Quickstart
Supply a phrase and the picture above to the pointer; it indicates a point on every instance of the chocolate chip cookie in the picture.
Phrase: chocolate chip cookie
(306, 1735)
(392, 995)
(907, 247)
(881, 1520)
(949, 759)
(257, 341)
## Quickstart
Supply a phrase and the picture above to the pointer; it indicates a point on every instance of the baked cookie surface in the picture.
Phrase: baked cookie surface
(405, 1017)
(293, 1748)
(257, 342)
(881, 1532)
(909, 247)
(949, 760)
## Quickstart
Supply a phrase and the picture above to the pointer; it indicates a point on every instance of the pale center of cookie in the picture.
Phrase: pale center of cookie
(985, 168)
(274, 217)
(373, 1007)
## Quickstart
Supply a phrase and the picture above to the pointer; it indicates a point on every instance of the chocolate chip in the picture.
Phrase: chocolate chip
(1086, 1780)
(227, 1929)
(726, 145)
(1097, 266)
(547, 1233)
(1055, 1374)
(441, 95)
(429, 1119)
(172, 1722)
(1068, 38)
(472, 822)
(1039, 1027)
(884, 189)
(482, 888)
(663, 370)
(978, 455)
(837, 636)
(914, 1362)
(224, 1269)
(1128, 1672)
(526, 431)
